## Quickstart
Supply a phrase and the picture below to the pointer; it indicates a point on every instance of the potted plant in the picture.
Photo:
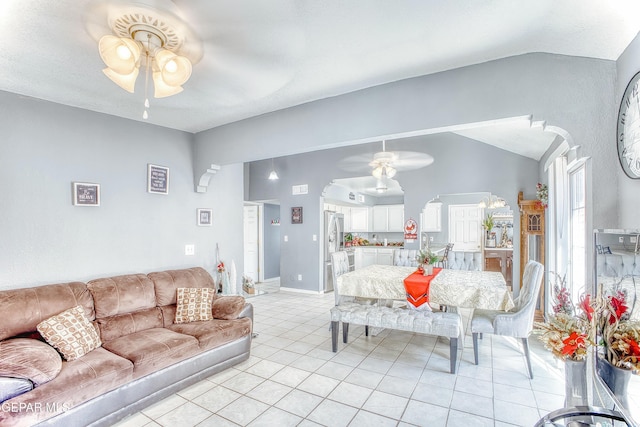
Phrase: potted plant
(604, 321)
(619, 340)
(488, 225)
(568, 334)
(426, 259)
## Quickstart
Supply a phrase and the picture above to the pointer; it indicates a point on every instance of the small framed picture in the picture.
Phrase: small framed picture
(296, 215)
(205, 217)
(157, 179)
(86, 194)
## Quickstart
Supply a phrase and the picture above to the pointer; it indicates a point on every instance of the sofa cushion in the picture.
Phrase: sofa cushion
(29, 359)
(71, 333)
(12, 387)
(194, 304)
(23, 309)
(166, 283)
(227, 307)
(93, 374)
(113, 327)
(153, 349)
(214, 333)
(122, 294)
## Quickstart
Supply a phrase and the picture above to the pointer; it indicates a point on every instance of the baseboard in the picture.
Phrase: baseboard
(301, 291)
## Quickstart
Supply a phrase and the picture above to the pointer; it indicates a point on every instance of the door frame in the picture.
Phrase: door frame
(260, 243)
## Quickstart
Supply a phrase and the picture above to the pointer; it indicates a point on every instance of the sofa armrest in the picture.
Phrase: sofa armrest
(247, 311)
(228, 307)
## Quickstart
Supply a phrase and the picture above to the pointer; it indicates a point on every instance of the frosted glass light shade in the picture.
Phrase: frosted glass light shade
(119, 54)
(273, 175)
(162, 89)
(125, 81)
(381, 171)
(175, 70)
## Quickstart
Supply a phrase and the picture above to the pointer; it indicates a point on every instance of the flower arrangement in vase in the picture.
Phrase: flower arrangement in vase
(426, 259)
(619, 334)
(567, 332)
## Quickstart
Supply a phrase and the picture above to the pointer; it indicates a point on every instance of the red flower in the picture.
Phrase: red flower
(619, 307)
(634, 348)
(585, 305)
(572, 343)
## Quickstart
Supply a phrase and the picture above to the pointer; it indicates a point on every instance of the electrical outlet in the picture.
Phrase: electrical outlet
(189, 249)
(286, 238)
(431, 238)
(299, 277)
(621, 239)
(633, 239)
(315, 238)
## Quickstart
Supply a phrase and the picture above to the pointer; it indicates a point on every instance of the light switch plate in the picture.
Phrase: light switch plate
(621, 239)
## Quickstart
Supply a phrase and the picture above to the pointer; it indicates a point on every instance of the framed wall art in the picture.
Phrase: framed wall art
(205, 217)
(157, 179)
(86, 194)
(296, 215)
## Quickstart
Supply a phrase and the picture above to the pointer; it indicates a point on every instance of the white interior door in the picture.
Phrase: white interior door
(251, 241)
(465, 227)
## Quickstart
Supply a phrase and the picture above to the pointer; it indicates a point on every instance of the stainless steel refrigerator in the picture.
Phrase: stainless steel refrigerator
(333, 242)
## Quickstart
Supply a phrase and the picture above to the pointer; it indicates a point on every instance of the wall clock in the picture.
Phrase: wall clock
(629, 129)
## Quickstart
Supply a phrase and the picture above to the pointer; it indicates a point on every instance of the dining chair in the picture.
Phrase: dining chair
(518, 322)
(405, 257)
(444, 261)
(340, 266)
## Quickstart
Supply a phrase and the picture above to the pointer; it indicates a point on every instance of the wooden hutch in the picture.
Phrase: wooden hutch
(532, 230)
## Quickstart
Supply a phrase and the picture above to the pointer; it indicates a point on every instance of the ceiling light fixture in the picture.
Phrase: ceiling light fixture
(492, 202)
(143, 36)
(273, 175)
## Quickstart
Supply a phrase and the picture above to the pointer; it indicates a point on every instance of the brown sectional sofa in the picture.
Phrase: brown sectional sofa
(144, 355)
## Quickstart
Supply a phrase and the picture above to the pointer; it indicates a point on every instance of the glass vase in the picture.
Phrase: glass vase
(575, 383)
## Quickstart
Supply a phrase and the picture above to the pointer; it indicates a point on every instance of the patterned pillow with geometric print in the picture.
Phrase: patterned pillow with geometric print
(71, 333)
(194, 304)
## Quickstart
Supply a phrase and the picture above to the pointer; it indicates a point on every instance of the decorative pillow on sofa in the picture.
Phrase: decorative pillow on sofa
(193, 304)
(71, 333)
(29, 359)
(227, 307)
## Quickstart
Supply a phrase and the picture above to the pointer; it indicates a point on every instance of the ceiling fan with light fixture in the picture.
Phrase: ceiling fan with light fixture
(385, 164)
(153, 45)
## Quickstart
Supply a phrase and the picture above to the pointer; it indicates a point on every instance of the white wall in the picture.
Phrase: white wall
(571, 93)
(44, 147)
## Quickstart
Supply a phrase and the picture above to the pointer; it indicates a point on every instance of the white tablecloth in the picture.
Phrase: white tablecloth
(456, 288)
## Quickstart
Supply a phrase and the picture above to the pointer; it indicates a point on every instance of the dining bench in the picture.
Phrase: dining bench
(404, 319)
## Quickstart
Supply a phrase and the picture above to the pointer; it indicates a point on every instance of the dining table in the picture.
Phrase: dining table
(451, 288)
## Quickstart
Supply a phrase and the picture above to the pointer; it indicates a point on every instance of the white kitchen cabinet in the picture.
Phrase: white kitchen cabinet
(388, 218)
(365, 256)
(432, 217)
(384, 256)
(395, 218)
(359, 221)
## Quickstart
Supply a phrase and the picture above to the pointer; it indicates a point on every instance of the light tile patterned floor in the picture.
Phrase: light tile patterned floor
(393, 379)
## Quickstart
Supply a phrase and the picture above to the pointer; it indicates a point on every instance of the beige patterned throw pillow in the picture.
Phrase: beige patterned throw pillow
(71, 333)
(193, 304)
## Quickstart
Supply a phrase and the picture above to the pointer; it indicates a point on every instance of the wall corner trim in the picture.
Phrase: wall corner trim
(203, 184)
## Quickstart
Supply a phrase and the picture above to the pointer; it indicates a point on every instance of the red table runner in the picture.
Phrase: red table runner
(417, 287)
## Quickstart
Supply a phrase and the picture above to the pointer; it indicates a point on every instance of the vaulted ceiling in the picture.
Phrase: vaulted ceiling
(261, 56)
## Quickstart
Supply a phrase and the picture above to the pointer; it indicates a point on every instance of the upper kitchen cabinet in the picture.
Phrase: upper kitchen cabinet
(359, 220)
(388, 218)
(432, 217)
